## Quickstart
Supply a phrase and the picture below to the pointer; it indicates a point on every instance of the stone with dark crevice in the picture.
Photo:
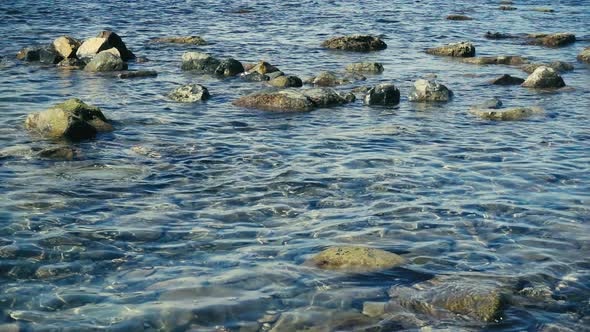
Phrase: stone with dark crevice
(386, 94)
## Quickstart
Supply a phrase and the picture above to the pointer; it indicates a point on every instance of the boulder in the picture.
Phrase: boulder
(544, 77)
(138, 74)
(461, 49)
(383, 94)
(327, 78)
(499, 35)
(113, 40)
(48, 55)
(189, 93)
(455, 17)
(506, 114)
(553, 40)
(199, 62)
(274, 74)
(327, 97)
(105, 61)
(264, 68)
(294, 100)
(286, 82)
(496, 60)
(192, 40)
(66, 46)
(254, 76)
(585, 55)
(29, 54)
(71, 64)
(429, 91)
(229, 67)
(104, 41)
(355, 259)
(493, 103)
(507, 80)
(355, 43)
(365, 67)
(72, 119)
(560, 66)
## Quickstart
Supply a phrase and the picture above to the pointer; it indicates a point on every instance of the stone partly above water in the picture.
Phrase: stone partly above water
(584, 55)
(58, 153)
(104, 41)
(72, 119)
(544, 78)
(461, 49)
(192, 40)
(189, 93)
(355, 43)
(429, 91)
(497, 60)
(355, 259)
(560, 66)
(507, 80)
(553, 40)
(385, 94)
(138, 74)
(457, 17)
(506, 114)
(106, 61)
(365, 67)
(286, 81)
(205, 63)
(66, 46)
(294, 100)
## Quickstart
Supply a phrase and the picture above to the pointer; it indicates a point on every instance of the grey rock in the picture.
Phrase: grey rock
(192, 40)
(254, 76)
(493, 103)
(48, 55)
(456, 17)
(383, 94)
(496, 60)
(199, 62)
(553, 40)
(71, 64)
(229, 67)
(327, 78)
(560, 66)
(355, 259)
(355, 43)
(189, 93)
(499, 35)
(365, 67)
(507, 80)
(66, 46)
(461, 49)
(286, 82)
(584, 55)
(59, 153)
(506, 114)
(326, 97)
(138, 74)
(544, 77)
(105, 61)
(429, 91)
(274, 74)
(294, 100)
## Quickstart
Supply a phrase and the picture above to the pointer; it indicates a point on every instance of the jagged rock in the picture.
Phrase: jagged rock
(365, 67)
(585, 55)
(507, 80)
(552, 40)
(72, 119)
(456, 17)
(461, 49)
(105, 40)
(496, 60)
(263, 68)
(138, 74)
(193, 40)
(355, 259)
(286, 82)
(356, 43)
(429, 91)
(71, 63)
(199, 62)
(48, 55)
(506, 114)
(229, 67)
(383, 94)
(113, 40)
(58, 153)
(189, 93)
(66, 46)
(560, 66)
(544, 77)
(326, 78)
(507, 8)
(293, 100)
(105, 61)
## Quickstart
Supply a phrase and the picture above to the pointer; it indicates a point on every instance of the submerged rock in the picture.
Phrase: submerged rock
(429, 91)
(493, 103)
(294, 100)
(193, 40)
(286, 82)
(584, 55)
(499, 35)
(461, 49)
(506, 114)
(497, 60)
(544, 77)
(507, 80)
(66, 46)
(456, 17)
(105, 61)
(383, 94)
(138, 74)
(553, 40)
(355, 43)
(355, 259)
(263, 68)
(507, 8)
(560, 66)
(189, 93)
(58, 153)
(72, 119)
(365, 67)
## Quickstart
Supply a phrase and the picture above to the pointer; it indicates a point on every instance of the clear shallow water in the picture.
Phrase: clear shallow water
(210, 227)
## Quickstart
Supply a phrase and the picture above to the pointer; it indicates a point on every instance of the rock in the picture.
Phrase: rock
(327, 78)
(507, 8)
(374, 309)
(499, 35)
(356, 43)
(507, 114)
(286, 82)
(479, 299)
(365, 67)
(229, 67)
(254, 76)
(105, 40)
(113, 40)
(544, 77)
(29, 54)
(66, 46)
(560, 66)
(455, 17)
(199, 62)
(71, 63)
(48, 55)
(60, 153)
(138, 74)
(72, 119)
(294, 100)
(113, 51)
(263, 68)
(105, 61)
(543, 10)
(461, 49)
(584, 55)
(319, 319)
(355, 259)
(553, 40)
(189, 93)
(274, 74)
(507, 80)
(429, 91)
(193, 40)
(496, 60)
(326, 97)
(361, 89)
(141, 59)
(493, 103)
(58, 270)
(383, 94)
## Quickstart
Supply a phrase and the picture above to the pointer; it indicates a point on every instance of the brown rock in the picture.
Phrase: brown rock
(560, 66)
(461, 49)
(285, 100)
(355, 43)
(497, 60)
(506, 114)
(355, 259)
(66, 46)
(585, 55)
(553, 40)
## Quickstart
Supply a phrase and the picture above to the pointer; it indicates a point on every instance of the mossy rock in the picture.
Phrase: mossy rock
(355, 259)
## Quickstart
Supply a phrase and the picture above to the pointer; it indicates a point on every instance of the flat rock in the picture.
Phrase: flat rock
(327, 97)
(66, 46)
(286, 81)
(355, 43)
(105, 61)
(192, 40)
(294, 100)
(138, 74)
(189, 93)
(429, 91)
(584, 55)
(383, 94)
(543, 78)
(560, 66)
(506, 114)
(553, 40)
(461, 49)
(355, 259)
(72, 119)
(499, 35)
(507, 80)
(365, 67)
(456, 17)
(254, 76)
(497, 60)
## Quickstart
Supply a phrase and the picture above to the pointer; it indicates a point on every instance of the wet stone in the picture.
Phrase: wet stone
(229, 67)
(383, 94)
(275, 74)
(201, 62)
(189, 93)
(429, 91)
(544, 78)
(507, 8)
(560, 66)
(58, 153)
(497, 60)
(507, 80)
(355, 259)
(58, 270)
(374, 309)
(507, 114)
(286, 82)
(29, 54)
(355, 43)
(254, 76)
(192, 40)
(105, 61)
(138, 74)
(71, 64)
(493, 103)
(457, 17)
(66, 46)
(461, 49)
(365, 67)
(554, 40)
(584, 56)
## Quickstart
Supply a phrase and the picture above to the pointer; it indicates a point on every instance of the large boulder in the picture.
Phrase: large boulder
(72, 119)
(365, 67)
(192, 40)
(429, 91)
(294, 100)
(355, 259)
(496, 60)
(43, 54)
(286, 81)
(356, 43)
(105, 61)
(507, 80)
(189, 93)
(506, 114)
(383, 94)
(544, 78)
(113, 40)
(66, 46)
(585, 55)
(201, 62)
(104, 41)
(553, 40)
(560, 66)
(461, 49)
(229, 67)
